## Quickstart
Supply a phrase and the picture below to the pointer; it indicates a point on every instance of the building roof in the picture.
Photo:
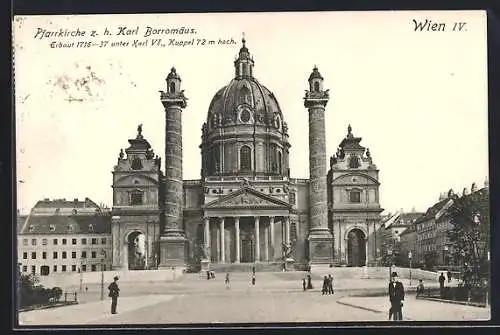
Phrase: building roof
(433, 210)
(61, 224)
(63, 203)
(20, 219)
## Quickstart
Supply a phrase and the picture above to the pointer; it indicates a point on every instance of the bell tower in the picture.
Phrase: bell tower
(173, 240)
(320, 238)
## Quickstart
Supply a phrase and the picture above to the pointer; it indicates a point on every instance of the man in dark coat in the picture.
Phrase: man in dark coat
(114, 292)
(441, 284)
(396, 297)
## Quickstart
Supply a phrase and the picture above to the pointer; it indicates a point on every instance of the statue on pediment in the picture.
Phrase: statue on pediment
(245, 182)
(121, 154)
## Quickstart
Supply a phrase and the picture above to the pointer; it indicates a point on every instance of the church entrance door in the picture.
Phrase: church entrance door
(247, 250)
(356, 248)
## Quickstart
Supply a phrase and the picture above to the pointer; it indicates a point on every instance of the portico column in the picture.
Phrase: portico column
(287, 230)
(222, 242)
(366, 251)
(237, 230)
(206, 221)
(271, 227)
(257, 239)
(266, 244)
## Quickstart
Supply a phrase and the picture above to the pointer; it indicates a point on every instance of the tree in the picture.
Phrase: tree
(469, 236)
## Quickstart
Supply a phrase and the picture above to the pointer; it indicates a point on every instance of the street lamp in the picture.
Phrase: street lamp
(81, 274)
(103, 253)
(445, 256)
(409, 258)
(389, 253)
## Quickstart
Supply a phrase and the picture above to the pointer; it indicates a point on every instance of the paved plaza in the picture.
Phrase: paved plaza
(276, 297)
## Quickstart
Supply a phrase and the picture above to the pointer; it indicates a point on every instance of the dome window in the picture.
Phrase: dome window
(316, 86)
(245, 116)
(171, 87)
(245, 158)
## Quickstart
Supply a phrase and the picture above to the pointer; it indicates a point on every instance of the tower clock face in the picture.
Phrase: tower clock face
(245, 116)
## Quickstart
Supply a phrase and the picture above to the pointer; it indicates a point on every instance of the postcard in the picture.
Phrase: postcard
(237, 168)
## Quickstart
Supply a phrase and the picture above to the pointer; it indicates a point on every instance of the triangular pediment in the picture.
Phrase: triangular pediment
(247, 197)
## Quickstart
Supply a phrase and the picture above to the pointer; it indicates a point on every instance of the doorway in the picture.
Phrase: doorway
(356, 248)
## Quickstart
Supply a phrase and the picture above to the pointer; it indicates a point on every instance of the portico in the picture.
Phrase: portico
(246, 226)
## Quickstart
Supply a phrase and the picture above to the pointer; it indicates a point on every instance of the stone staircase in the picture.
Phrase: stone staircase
(247, 267)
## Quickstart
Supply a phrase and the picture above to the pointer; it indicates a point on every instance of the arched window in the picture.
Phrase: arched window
(172, 87)
(245, 158)
(136, 164)
(316, 87)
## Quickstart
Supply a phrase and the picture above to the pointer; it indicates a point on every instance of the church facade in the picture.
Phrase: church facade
(246, 207)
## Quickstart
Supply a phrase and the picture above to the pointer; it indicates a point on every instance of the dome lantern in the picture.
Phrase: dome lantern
(243, 66)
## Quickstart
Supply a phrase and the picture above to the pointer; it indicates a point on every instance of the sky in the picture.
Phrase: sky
(418, 99)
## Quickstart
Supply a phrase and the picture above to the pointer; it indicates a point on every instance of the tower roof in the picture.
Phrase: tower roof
(315, 74)
(173, 74)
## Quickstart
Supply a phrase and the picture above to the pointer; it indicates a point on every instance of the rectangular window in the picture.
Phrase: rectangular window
(54, 255)
(92, 267)
(33, 241)
(136, 198)
(84, 241)
(355, 196)
(25, 268)
(63, 269)
(44, 255)
(103, 240)
(55, 268)
(33, 255)
(25, 255)
(73, 241)
(94, 240)
(25, 241)
(55, 241)
(84, 267)
(73, 268)
(84, 254)
(64, 241)
(93, 254)
(64, 255)
(73, 254)
(44, 241)
(33, 269)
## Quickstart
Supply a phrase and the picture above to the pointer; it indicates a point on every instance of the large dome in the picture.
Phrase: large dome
(245, 133)
(243, 101)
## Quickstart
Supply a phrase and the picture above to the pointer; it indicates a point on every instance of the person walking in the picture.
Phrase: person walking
(114, 292)
(309, 282)
(253, 279)
(449, 276)
(304, 284)
(396, 297)
(324, 289)
(330, 284)
(441, 284)
(227, 283)
(420, 288)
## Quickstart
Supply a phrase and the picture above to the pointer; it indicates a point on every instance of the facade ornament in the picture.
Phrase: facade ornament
(285, 127)
(285, 188)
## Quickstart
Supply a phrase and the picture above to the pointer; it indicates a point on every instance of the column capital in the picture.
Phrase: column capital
(206, 218)
(236, 219)
(271, 219)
